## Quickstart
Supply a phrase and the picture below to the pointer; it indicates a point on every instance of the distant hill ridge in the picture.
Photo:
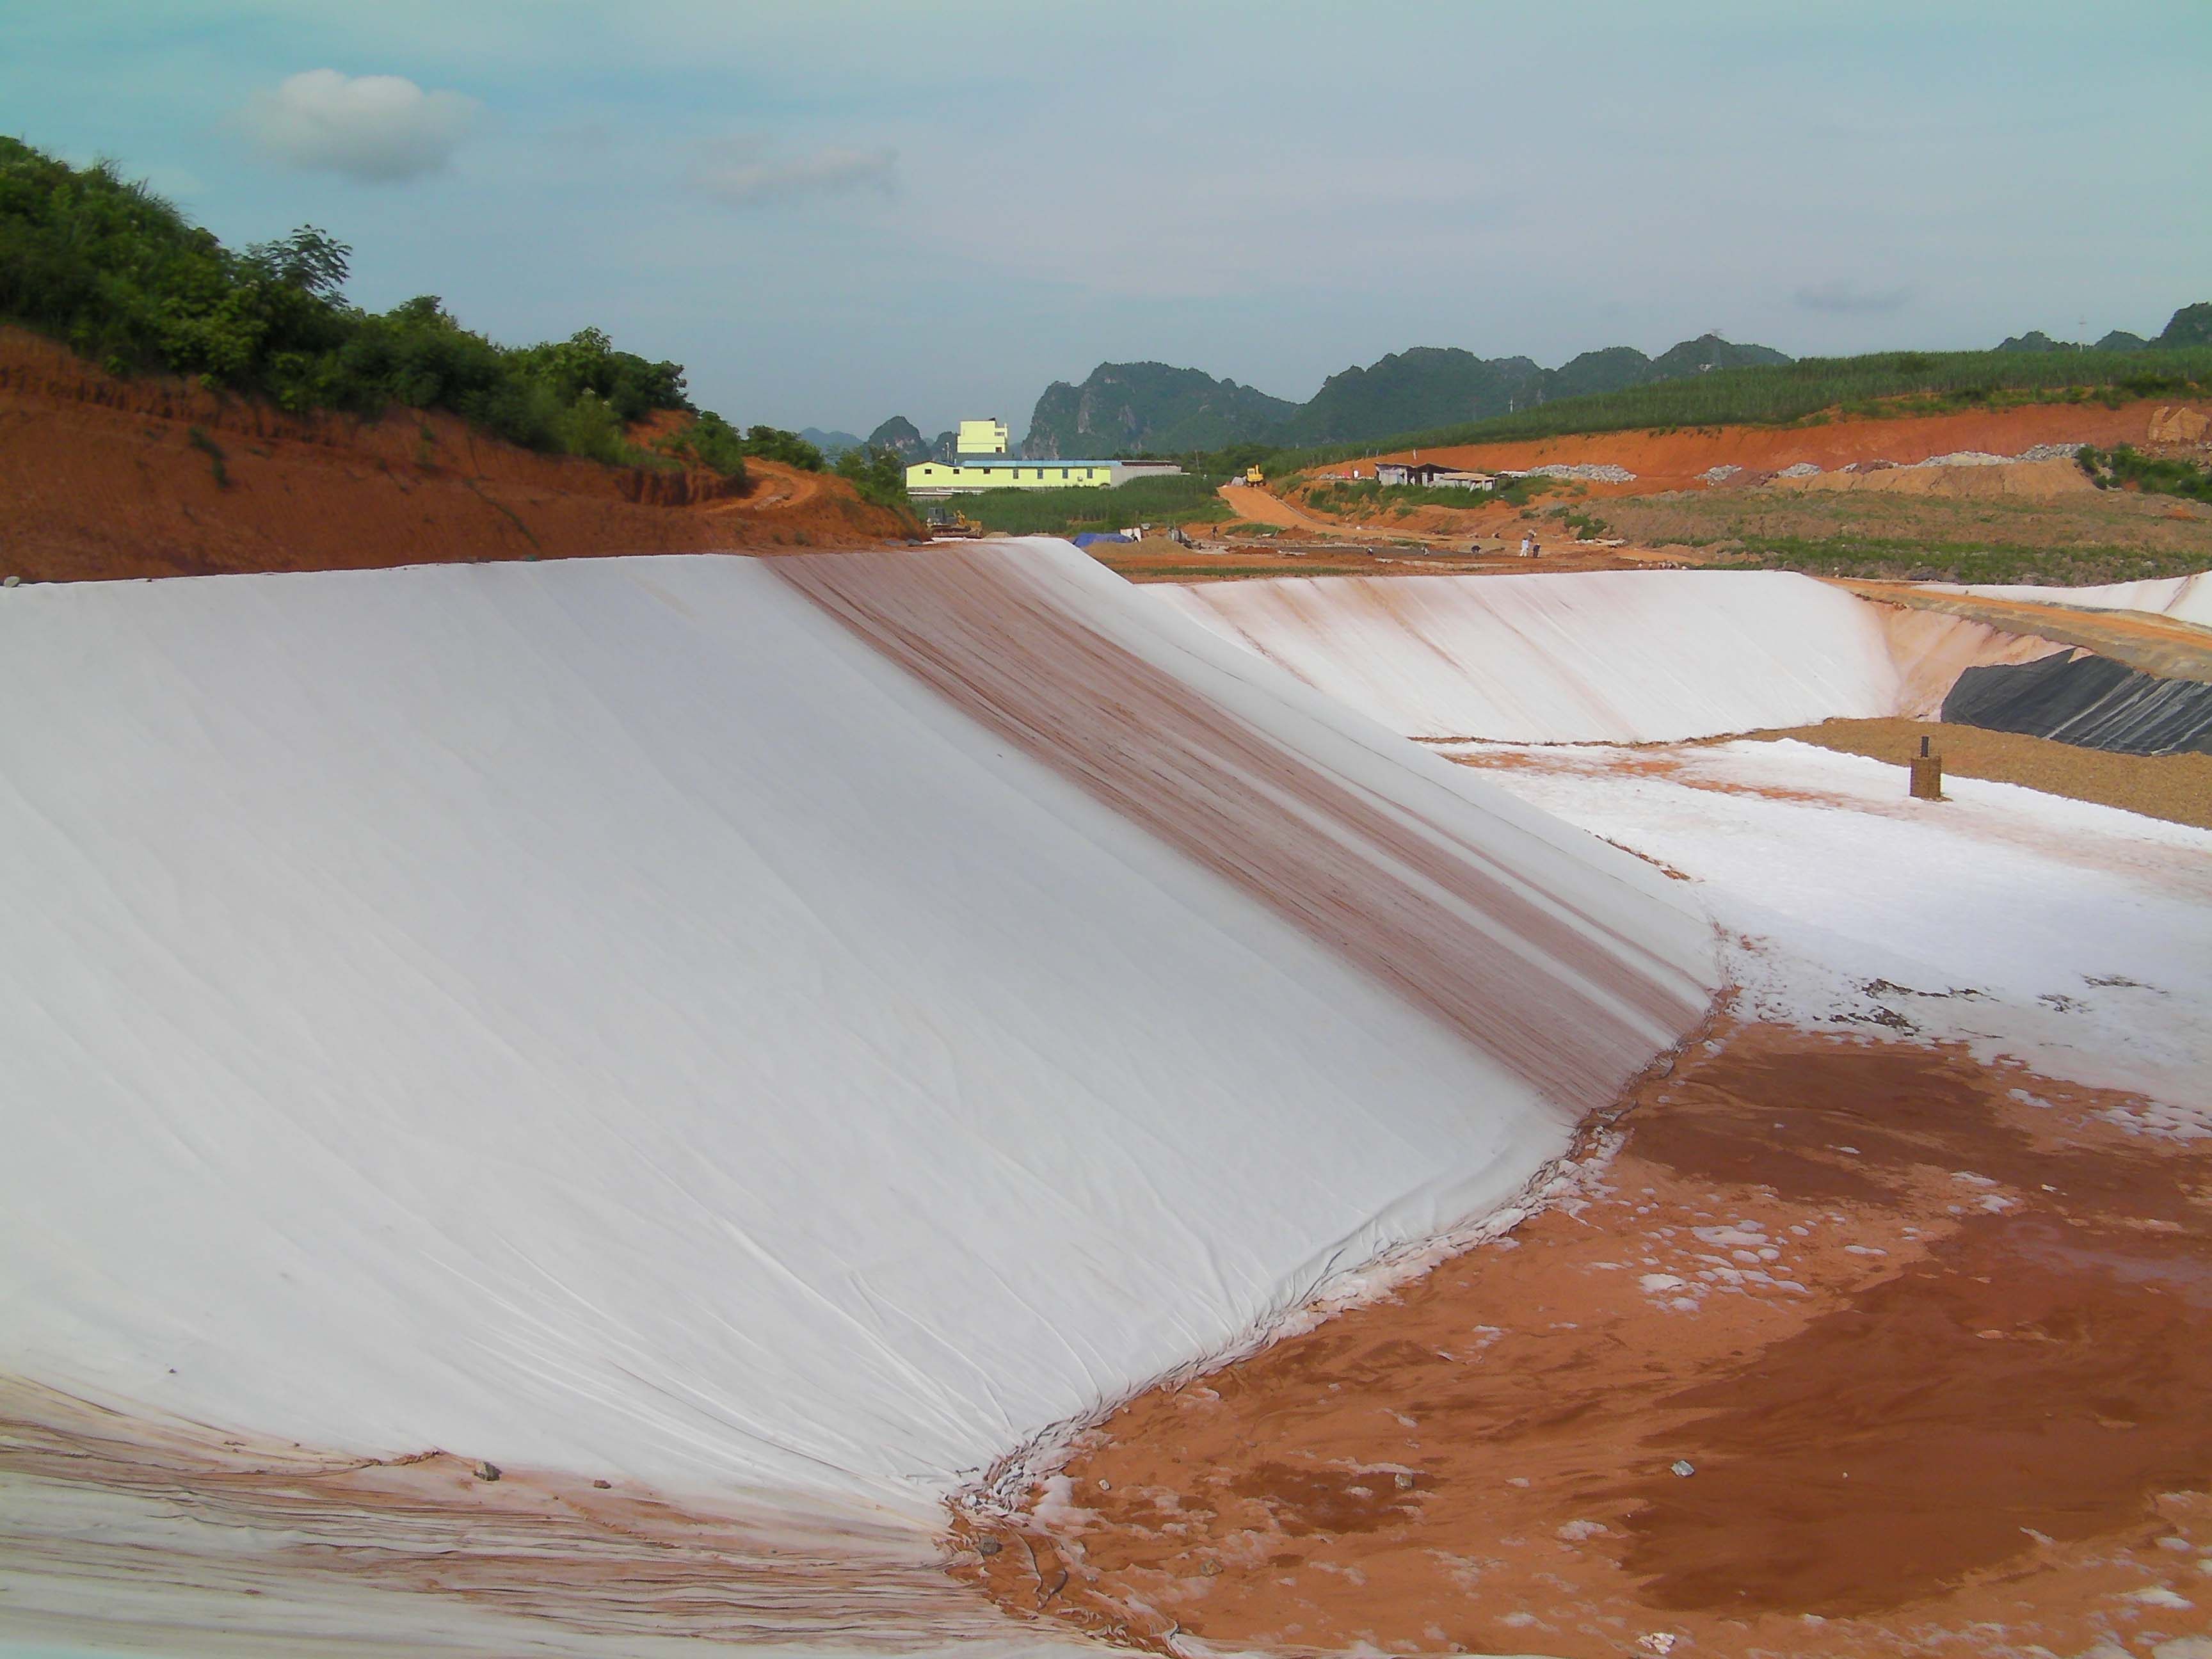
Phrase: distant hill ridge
(1134, 408)
(1128, 408)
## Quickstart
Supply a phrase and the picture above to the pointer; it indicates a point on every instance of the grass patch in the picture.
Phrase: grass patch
(1876, 558)
(1177, 499)
(218, 464)
(2102, 535)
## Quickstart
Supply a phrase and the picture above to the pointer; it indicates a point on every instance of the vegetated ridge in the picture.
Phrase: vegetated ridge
(1430, 397)
(1150, 408)
(193, 408)
(1876, 385)
(121, 276)
(832, 444)
(1133, 408)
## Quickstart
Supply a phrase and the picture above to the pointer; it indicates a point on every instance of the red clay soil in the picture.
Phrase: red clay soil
(1675, 458)
(104, 477)
(325, 1536)
(1854, 1348)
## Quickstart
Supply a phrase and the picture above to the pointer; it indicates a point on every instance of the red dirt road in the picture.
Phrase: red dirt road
(1258, 506)
(1934, 1346)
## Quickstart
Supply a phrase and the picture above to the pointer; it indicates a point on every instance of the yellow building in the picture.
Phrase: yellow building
(997, 472)
(980, 438)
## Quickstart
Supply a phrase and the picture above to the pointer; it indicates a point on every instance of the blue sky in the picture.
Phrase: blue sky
(836, 211)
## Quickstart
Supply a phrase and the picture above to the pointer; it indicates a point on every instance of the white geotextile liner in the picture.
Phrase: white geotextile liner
(601, 1015)
(2185, 598)
(2064, 934)
(1620, 657)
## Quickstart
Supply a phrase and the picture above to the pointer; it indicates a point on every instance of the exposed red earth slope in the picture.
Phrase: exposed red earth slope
(1780, 1380)
(104, 477)
(1676, 457)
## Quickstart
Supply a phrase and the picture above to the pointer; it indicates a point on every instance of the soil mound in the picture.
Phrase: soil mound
(104, 477)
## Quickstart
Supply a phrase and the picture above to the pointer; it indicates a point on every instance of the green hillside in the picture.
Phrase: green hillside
(1131, 409)
(1126, 409)
(1816, 388)
(117, 273)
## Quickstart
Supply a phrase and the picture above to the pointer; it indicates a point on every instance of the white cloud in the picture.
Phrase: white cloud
(739, 172)
(1845, 297)
(375, 127)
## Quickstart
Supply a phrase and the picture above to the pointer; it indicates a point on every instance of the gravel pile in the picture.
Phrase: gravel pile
(1982, 458)
(1599, 472)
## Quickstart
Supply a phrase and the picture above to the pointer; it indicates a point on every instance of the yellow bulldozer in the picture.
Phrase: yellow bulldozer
(950, 522)
(1253, 477)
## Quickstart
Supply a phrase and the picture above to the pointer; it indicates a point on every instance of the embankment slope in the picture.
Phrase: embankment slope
(1630, 656)
(106, 477)
(670, 1019)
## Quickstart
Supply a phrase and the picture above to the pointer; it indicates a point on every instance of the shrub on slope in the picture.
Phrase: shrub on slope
(107, 266)
(2152, 474)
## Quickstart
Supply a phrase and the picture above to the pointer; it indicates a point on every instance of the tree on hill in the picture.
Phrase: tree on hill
(2191, 325)
(1709, 352)
(901, 437)
(1428, 386)
(773, 443)
(1607, 370)
(879, 474)
(1131, 409)
(108, 267)
(1431, 387)
(833, 443)
(1126, 409)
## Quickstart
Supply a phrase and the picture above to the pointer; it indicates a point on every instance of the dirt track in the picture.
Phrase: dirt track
(1261, 506)
(1855, 1349)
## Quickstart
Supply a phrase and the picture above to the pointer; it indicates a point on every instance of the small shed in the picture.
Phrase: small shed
(1429, 475)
